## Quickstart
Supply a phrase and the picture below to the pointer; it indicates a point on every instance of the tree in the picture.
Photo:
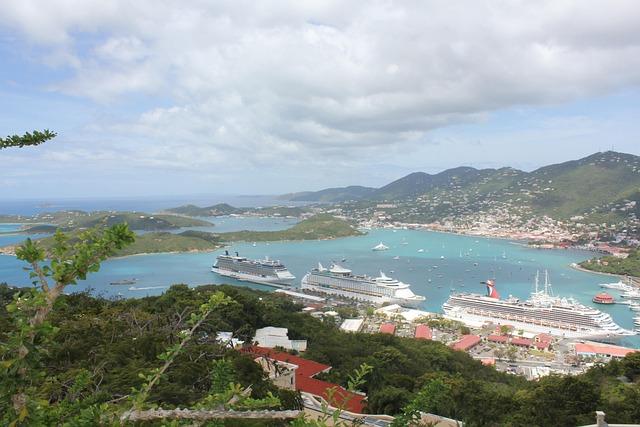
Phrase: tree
(21, 354)
(35, 138)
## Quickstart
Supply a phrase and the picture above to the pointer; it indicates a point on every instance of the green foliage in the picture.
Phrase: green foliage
(28, 139)
(321, 226)
(629, 266)
(31, 334)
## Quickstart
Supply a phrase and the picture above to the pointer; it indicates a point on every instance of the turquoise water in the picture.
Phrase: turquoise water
(514, 273)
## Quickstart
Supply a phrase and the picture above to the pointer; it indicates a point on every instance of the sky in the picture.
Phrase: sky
(162, 97)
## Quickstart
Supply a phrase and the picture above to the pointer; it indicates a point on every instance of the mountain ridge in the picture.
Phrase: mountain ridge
(575, 187)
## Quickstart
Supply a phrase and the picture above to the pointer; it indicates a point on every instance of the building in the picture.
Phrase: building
(467, 342)
(602, 350)
(423, 332)
(271, 337)
(388, 328)
(500, 339)
(282, 374)
(305, 370)
(352, 325)
(521, 342)
(396, 311)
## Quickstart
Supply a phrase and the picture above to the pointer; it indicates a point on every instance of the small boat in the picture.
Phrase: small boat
(603, 298)
(124, 282)
(396, 257)
(441, 256)
(254, 244)
(420, 250)
(344, 260)
(380, 247)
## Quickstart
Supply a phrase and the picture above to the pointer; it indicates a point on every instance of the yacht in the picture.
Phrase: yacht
(380, 247)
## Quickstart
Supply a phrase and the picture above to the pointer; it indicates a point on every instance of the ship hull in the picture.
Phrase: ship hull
(471, 317)
(345, 293)
(274, 281)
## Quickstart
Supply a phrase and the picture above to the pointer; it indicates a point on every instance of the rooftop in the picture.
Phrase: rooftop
(305, 382)
(603, 349)
(423, 332)
(466, 342)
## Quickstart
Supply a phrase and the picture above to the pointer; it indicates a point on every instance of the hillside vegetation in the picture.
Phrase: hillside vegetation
(73, 220)
(629, 266)
(214, 210)
(111, 341)
(317, 227)
(224, 209)
(590, 187)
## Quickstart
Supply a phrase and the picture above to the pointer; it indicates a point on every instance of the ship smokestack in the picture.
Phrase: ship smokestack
(492, 292)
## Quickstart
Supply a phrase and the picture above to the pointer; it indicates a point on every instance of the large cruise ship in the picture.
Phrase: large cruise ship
(340, 281)
(266, 271)
(541, 313)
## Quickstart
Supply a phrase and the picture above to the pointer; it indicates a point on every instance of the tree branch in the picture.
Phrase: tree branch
(204, 415)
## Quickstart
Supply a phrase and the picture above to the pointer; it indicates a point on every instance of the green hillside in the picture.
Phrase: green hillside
(318, 227)
(214, 210)
(599, 187)
(339, 194)
(71, 220)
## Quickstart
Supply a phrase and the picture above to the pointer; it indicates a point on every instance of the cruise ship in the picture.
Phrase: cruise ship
(265, 272)
(541, 313)
(340, 281)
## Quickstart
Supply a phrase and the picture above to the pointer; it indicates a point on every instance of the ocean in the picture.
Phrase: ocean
(435, 264)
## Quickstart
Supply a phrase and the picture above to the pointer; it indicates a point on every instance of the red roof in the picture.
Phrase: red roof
(606, 350)
(542, 345)
(498, 338)
(521, 341)
(466, 342)
(305, 382)
(423, 332)
(388, 328)
(488, 361)
(543, 338)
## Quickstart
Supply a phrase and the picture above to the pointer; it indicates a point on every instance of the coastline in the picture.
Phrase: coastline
(576, 266)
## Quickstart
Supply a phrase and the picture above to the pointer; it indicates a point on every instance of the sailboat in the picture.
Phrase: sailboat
(380, 247)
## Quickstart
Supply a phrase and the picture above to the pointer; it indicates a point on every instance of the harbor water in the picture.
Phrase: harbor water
(435, 264)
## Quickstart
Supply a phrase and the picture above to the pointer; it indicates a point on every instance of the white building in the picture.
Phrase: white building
(351, 325)
(271, 337)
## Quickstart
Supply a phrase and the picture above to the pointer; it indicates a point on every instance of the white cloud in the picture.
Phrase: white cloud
(243, 84)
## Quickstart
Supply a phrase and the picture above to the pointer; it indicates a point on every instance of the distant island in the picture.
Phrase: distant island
(317, 227)
(223, 209)
(73, 220)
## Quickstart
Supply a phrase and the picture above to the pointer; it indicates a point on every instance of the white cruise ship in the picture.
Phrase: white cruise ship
(340, 281)
(541, 313)
(265, 272)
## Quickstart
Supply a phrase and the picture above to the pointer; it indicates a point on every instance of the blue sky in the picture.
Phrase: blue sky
(163, 98)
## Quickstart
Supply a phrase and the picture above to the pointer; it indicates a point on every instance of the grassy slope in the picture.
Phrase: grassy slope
(167, 242)
(322, 226)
